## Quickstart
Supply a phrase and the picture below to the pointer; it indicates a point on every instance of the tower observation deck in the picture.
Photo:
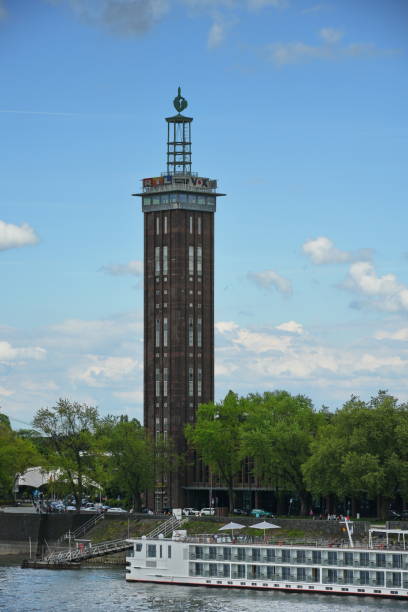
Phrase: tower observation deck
(178, 207)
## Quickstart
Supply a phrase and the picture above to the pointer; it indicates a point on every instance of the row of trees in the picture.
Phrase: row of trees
(86, 449)
(361, 450)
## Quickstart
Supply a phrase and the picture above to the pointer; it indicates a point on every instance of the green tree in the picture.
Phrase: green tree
(277, 434)
(127, 457)
(216, 436)
(70, 428)
(16, 455)
(362, 452)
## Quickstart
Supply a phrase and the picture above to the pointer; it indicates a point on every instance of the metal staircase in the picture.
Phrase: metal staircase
(82, 529)
(165, 528)
(88, 552)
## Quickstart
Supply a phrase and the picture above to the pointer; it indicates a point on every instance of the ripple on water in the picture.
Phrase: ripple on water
(92, 590)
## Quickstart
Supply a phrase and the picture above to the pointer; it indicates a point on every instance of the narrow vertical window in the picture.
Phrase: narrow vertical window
(191, 225)
(190, 331)
(199, 332)
(157, 382)
(157, 260)
(165, 381)
(191, 260)
(198, 225)
(190, 381)
(199, 381)
(165, 331)
(199, 261)
(165, 260)
(157, 226)
(165, 225)
(157, 333)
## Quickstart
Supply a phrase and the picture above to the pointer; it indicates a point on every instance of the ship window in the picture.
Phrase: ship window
(161, 551)
(317, 556)
(151, 550)
(285, 556)
(169, 552)
(364, 577)
(380, 559)
(348, 558)
(396, 560)
(364, 558)
(300, 573)
(285, 573)
(139, 547)
(332, 557)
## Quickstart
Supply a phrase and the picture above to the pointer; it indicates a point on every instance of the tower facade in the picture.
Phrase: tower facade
(178, 208)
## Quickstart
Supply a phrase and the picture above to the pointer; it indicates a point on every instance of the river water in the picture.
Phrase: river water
(91, 590)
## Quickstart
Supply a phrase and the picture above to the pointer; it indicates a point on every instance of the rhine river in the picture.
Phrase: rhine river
(92, 590)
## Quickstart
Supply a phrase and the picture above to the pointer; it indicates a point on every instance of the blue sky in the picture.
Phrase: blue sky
(299, 111)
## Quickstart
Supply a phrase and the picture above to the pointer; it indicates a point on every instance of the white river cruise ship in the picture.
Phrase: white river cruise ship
(380, 569)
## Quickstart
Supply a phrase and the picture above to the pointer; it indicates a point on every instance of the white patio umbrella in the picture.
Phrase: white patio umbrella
(231, 526)
(265, 525)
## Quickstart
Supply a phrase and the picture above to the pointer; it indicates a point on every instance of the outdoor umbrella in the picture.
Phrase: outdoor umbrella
(264, 525)
(231, 526)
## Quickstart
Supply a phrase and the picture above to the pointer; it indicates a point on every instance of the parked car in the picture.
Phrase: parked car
(207, 511)
(239, 511)
(90, 509)
(190, 512)
(116, 510)
(258, 512)
(70, 508)
(398, 516)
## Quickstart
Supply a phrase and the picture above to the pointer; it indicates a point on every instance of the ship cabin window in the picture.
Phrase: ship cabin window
(151, 550)
(256, 554)
(364, 559)
(348, 558)
(396, 560)
(364, 577)
(300, 556)
(285, 556)
(348, 576)
(237, 571)
(226, 554)
(169, 552)
(285, 573)
(301, 573)
(379, 578)
(139, 547)
(212, 552)
(270, 554)
(317, 556)
(380, 560)
(332, 557)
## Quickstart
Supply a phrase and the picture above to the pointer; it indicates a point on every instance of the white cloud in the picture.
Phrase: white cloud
(259, 4)
(102, 371)
(133, 268)
(134, 397)
(321, 250)
(216, 35)
(282, 54)
(254, 341)
(317, 8)
(3, 391)
(12, 355)
(399, 334)
(292, 327)
(269, 279)
(15, 236)
(3, 11)
(330, 35)
(382, 292)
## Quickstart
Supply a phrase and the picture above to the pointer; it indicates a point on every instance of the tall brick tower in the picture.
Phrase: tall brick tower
(178, 209)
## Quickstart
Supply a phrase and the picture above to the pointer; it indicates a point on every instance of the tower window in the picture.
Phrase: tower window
(165, 225)
(157, 226)
(199, 381)
(190, 332)
(157, 334)
(157, 382)
(199, 332)
(191, 260)
(191, 224)
(165, 260)
(165, 381)
(165, 331)
(190, 381)
(157, 260)
(198, 225)
(199, 261)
